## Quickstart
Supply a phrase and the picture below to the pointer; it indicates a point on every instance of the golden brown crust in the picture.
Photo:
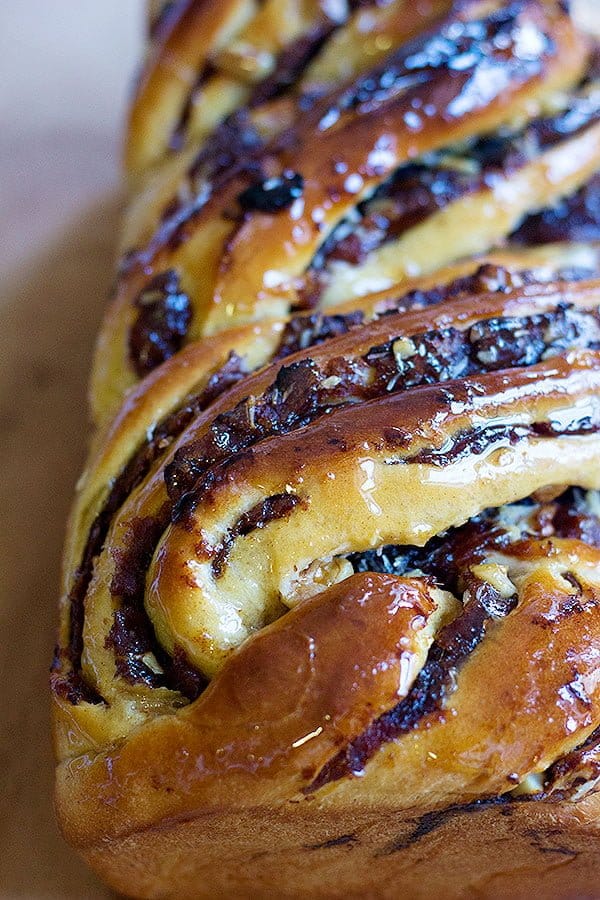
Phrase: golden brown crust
(496, 851)
(288, 699)
(330, 621)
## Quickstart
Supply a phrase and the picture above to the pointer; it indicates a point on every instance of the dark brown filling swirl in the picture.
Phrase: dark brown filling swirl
(301, 393)
(126, 644)
(417, 191)
(163, 316)
(573, 218)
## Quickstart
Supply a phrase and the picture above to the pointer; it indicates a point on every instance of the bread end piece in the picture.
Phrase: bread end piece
(491, 848)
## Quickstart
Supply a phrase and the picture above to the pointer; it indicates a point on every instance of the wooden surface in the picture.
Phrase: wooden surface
(66, 65)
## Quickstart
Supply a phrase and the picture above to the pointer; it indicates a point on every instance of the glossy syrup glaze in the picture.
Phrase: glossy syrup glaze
(304, 391)
(419, 190)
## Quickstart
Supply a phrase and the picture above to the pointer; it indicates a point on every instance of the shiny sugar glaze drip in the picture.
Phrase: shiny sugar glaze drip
(469, 443)
(447, 560)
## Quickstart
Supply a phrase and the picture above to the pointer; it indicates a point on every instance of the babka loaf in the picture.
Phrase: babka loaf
(330, 622)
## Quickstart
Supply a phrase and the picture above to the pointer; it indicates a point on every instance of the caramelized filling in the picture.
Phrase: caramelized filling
(163, 317)
(272, 194)
(452, 646)
(233, 151)
(308, 389)
(456, 48)
(573, 515)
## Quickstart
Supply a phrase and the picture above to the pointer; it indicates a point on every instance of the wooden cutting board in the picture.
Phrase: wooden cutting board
(66, 67)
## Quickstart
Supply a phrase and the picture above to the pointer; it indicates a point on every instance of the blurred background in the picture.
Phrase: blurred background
(66, 66)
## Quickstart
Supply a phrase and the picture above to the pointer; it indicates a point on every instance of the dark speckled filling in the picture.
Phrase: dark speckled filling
(303, 391)
(163, 316)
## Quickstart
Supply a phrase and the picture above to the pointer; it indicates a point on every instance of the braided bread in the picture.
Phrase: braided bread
(331, 583)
